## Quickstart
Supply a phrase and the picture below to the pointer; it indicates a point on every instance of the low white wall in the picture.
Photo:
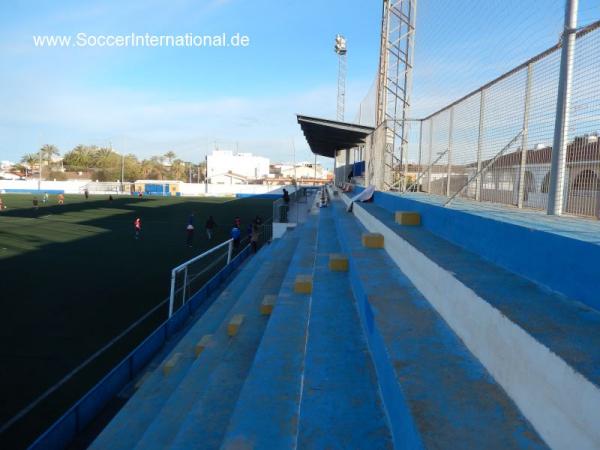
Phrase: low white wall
(70, 187)
(227, 189)
(74, 187)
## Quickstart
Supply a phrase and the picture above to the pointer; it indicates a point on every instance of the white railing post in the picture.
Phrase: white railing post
(172, 295)
(524, 138)
(556, 190)
(229, 251)
(449, 168)
(478, 180)
(185, 280)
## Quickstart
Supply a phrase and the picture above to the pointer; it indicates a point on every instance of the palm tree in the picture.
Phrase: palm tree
(178, 169)
(29, 160)
(170, 155)
(147, 167)
(81, 157)
(103, 156)
(48, 151)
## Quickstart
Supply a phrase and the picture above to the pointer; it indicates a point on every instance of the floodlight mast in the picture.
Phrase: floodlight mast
(394, 87)
(341, 50)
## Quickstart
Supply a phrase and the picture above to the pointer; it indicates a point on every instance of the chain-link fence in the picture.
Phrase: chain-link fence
(495, 144)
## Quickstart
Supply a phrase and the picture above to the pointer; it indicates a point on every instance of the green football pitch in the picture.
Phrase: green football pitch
(73, 276)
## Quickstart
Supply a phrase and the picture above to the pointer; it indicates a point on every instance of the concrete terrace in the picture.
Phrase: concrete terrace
(354, 331)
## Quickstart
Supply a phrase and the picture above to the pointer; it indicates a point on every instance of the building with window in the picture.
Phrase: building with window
(245, 165)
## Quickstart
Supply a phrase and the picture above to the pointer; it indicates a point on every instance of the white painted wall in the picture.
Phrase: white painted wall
(74, 187)
(70, 187)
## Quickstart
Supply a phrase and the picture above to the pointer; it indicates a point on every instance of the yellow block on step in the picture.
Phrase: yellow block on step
(202, 344)
(372, 240)
(303, 284)
(338, 262)
(171, 363)
(408, 218)
(266, 306)
(234, 324)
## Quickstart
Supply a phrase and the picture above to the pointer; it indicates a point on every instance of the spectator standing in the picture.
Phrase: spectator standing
(210, 226)
(236, 235)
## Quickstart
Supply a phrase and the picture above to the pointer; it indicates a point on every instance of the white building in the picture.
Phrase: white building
(223, 162)
(303, 170)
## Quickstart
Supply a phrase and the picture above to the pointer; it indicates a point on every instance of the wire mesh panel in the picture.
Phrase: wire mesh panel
(503, 104)
(411, 166)
(582, 185)
(539, 132)
(440, 137)
(464, 152)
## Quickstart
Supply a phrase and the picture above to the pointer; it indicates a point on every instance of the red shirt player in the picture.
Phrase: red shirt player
(137, 224)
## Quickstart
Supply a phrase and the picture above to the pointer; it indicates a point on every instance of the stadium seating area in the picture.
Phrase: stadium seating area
(368, 330)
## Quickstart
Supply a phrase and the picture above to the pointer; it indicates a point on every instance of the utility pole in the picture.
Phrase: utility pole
(122, 171)
(563, 105)
(40, 177)
(294, 159)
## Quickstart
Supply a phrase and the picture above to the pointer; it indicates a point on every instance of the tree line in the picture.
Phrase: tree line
(104, 164)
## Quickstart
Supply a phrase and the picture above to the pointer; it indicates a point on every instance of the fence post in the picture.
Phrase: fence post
(479, 145)
(524, 137)
(172, 295)
(449, 170)
(229, 251)
(563, 104)
(430, 154)
(419, 166)
(185, 279)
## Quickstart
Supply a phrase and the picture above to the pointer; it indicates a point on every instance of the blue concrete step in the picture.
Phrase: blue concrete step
(341, 405)
(266, 414)
(167, 421)
(436, 393)
(208, 418)
(130, 423)
(544, 349)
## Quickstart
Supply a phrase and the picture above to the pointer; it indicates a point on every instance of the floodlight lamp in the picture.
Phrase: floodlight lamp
(340, 44)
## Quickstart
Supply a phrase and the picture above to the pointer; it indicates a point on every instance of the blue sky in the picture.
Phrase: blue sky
(150, 100)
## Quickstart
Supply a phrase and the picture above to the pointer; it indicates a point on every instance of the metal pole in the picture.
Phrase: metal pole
(229, 251)
(122, 170)
(40, 178)
(524, 138)
(449, 170)
(206, 174)
(563, 104)
(419, 167)
(315, 179)
(185, 279)
(430, 154)
(172, 294)
(480, 145)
